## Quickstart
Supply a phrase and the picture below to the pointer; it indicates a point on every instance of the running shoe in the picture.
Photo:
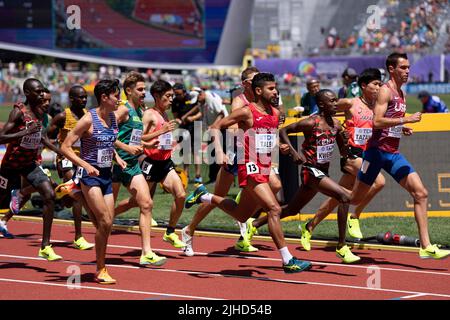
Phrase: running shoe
(102, 277)
(154, 223)
(152, 259)
(173, 240)
(305, 239)
(433, 252)
(16, 199)
(251, 230)
(187, 239)
(353, 227)
(49, 254)
(294, 265)
(244, 246)
(194, 197)
(346, 255)
(65, 189)
(4, 231)
(82, 244)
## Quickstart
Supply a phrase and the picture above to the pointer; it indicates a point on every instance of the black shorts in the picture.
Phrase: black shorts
(308, 172)
(11, 178)
(352, 153)
(156, 170)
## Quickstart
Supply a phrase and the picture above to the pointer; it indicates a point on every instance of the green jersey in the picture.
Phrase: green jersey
(353, 90)
(130, 132)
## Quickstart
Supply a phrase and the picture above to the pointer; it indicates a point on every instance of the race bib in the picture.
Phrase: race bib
(361, 135)
(146, 167)
(79, 173)
(104, 158)
(395, 132)
(324, 153)
(252, 168)
(165, 141)
(3, 183)
(66, 164)
(264, 142)
(135, 139)
(31, 141)
(316, 172)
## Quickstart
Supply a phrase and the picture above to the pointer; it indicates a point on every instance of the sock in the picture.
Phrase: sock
(2, 223)
(285, 255)
(170, 230)
(206, 198)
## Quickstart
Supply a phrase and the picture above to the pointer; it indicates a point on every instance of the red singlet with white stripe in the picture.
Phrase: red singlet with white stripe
(164, 149)
(388, 139)
(259, 143)
(360, 126)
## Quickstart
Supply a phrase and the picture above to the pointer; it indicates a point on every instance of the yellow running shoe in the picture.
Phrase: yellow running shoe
(102, 277)
(154, 223)
(251, 230)
(244, 246)
(433, 252)
(173, 240)
(152, 259)
(82, 244)
(49, 254)
(353, 227)
(346, 255)
(305, 239)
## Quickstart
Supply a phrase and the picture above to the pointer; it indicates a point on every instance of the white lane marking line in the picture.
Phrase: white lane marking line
(247, 277)
(110, 289)
(342, 265)
(413, 296)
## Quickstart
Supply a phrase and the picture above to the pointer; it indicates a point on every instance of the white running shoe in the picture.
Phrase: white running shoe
(187, 239)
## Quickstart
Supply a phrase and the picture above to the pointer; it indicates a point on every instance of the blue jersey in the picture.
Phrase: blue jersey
(434, 105)
(98, 149)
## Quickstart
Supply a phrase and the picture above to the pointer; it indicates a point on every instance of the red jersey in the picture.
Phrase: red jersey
(318, 147)
(388, 139)
(164, 149)
(359, 127)
(258, 144)
(24, 151)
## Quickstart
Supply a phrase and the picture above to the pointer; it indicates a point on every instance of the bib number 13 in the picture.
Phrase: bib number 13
(252, 168)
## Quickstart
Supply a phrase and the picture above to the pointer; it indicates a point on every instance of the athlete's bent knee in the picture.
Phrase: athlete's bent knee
(420, 194)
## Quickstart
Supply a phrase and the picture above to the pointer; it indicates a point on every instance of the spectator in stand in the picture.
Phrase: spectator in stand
(431, 104)
(308, 100)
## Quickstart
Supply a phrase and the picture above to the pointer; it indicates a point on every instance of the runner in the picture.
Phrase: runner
(23, 133)
(259, 122)
(97, 130)
(382, 151)
(60, 126)
(321, 132)
(129, 147)
(358, 125)
(158, 165)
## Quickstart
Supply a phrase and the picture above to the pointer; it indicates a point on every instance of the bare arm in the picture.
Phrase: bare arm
(305, 126)
(13, 120)
(56, 124)
(340, 139)
(380, 121)
(149, 121)
(81, 128)
(344, 104)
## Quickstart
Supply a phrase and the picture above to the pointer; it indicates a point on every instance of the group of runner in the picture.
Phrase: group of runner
(123, 143)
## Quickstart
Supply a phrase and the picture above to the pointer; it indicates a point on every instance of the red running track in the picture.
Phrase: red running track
(216, 272)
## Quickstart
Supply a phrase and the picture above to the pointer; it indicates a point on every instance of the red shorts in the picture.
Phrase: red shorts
(257, 172)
